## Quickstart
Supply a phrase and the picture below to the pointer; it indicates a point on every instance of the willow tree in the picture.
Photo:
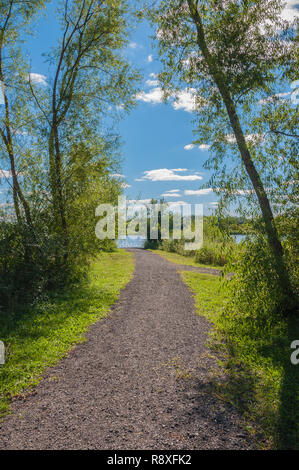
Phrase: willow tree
(89, 78)
(229, 53)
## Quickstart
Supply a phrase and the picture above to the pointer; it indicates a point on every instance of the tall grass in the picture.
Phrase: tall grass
(213, 252)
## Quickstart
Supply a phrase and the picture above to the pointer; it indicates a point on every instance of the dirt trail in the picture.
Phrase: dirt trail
(141, 381)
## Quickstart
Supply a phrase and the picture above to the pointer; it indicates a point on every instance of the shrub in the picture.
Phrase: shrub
(255, 287)
(216, 253)
(212, 252)
(30, 265)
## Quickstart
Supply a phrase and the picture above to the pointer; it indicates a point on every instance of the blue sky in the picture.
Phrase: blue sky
(154, 134)
(158, 160)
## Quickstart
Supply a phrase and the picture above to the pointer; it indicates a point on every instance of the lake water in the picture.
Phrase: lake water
(131, 241)
(239, 237)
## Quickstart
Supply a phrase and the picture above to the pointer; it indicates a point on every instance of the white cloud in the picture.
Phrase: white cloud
(291, 10)
(243, 192)
(8, 174)
(270, 99)
(5, 174)
(120, 175)
(2, 91)
(185, 100)
(133, 45)
(19, 132)
(170, 194)
(154, 96)
(38, 78)
(198, 192)
(204, 147)
(153, 83)
(177, 203)
(201, 147)
(173, 191)
(282, 95)
(150, 58)
(137, 202)
(191, 58)
(189, 147)
(165, 174)
(254, 138)
(205, 191)
(153, 75)
(230, 138)
(291, 182)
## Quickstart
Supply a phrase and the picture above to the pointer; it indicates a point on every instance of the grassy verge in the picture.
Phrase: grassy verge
(37, 338)
(180, 259)
(261, 381)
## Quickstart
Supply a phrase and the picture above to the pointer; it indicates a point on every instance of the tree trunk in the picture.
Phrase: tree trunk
(7, 139)
(56, 185)
(6, 136)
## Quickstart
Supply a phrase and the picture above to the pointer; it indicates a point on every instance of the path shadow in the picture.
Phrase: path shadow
(211, 421)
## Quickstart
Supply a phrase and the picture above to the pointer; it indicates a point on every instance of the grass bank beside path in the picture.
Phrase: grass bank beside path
(38, 337)
(186, 260)
(260, 380)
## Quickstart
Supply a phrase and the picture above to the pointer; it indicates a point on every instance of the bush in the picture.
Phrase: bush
(206, 255)
(30, 265)
(255, 289)
(176, 246)
(151, 244)
(27, 267)
(212, 253)
(216, 253)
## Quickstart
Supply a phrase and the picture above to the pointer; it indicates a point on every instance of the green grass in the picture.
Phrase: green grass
(180, 259)
(260, 380)
(38, 337)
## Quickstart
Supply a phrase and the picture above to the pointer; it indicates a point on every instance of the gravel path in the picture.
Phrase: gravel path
(141, 381)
